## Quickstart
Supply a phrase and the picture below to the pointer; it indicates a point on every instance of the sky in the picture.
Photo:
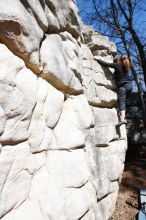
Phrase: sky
(139, 22)
(140, 18)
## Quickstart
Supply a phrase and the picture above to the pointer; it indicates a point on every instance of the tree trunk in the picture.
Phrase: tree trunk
(140, 50)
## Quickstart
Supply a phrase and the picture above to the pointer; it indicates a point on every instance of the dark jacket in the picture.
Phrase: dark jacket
(121, 76)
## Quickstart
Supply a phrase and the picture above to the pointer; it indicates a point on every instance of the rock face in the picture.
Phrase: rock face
(60, 156)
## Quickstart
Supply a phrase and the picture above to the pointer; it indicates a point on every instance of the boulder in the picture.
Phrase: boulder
(60, 153)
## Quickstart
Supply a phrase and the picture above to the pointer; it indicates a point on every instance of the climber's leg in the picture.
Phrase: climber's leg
(123, 92)
(122, 107)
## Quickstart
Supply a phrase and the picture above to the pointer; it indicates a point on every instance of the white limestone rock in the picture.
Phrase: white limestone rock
(66, 13)
(37, 124)
(16, 182)
(102, 205)
(47, 185)
(74, 202)
(58, 208)
(53, 24)
(20, 31)
(45, 114)
(98, 84)
(71, 167)
(100, 96)
(16, 101)
(15, 179)
(37, 8)
(75, 120)
(97, 42)
(73, 138)
(103, 54)
(107, 164)
(60, 60)
(2, 120)
(86, 53)
(87, 31)
(53, 106)
(103, 77)
(100, 42)
(60, 158)
(28, 210)
(105, 126)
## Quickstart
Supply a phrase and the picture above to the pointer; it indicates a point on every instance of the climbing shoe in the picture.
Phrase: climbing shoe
(122, 138)
(122, 122)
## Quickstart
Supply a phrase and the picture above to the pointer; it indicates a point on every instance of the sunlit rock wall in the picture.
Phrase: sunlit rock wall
(60, 155)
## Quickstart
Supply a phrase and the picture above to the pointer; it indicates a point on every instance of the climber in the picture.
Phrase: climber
(123, 80)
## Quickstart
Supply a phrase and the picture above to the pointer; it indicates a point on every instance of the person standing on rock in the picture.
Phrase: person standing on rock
(124, 82)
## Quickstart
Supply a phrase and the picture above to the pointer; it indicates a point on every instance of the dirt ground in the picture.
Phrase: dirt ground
(134, 178)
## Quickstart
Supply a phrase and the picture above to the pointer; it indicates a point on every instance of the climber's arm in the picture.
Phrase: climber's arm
(103, 63)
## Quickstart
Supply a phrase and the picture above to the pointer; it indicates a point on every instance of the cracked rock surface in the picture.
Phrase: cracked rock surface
(60, 156)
